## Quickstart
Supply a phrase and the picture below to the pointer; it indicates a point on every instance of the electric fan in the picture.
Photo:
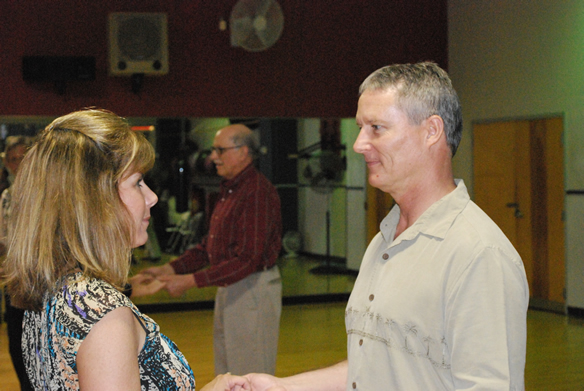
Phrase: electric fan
(256, 24)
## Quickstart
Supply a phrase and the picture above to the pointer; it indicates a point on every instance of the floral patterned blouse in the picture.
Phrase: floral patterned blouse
(52, 337)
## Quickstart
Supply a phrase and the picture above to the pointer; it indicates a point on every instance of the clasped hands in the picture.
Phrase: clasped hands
(251, 382)
(153, 279)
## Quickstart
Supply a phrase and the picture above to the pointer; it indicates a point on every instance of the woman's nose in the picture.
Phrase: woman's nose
(151, 197)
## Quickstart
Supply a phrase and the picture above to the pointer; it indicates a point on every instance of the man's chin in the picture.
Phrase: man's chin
(375, 181)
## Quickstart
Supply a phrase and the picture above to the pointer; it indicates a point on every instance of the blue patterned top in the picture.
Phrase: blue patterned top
(52, 337)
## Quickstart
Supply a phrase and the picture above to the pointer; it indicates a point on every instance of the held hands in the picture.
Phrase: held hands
(147, 282)
(156, 271)
(143, 285)
(228, 382)
(175, 284)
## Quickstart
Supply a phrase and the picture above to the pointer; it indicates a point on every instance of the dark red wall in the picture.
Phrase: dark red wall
(326, 50)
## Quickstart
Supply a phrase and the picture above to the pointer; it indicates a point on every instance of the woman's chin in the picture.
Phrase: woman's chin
(140, 242)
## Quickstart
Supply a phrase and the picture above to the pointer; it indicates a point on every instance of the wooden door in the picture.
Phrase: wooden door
(519, 183)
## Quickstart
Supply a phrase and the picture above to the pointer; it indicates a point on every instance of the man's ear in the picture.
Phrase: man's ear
(434, 129)
(245, 151)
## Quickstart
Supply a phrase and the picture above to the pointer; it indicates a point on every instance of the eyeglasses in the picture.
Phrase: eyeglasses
(220, 150)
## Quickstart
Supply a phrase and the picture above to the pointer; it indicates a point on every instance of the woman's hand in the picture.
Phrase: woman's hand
(144, 285)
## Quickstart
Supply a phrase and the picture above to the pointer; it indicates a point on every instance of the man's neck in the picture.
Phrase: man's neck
(418, 199)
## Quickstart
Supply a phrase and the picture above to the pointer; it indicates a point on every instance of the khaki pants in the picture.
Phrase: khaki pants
(247, 324)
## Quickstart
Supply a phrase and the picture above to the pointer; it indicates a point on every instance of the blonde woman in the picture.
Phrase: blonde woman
(79, 206)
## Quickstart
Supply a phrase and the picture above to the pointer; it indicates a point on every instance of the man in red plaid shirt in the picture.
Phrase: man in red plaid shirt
(239, 256)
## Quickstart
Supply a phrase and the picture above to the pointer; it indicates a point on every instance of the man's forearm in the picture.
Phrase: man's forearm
(333, 378)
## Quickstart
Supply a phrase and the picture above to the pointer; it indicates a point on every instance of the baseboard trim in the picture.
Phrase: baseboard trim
(547, 305)
(576, 312)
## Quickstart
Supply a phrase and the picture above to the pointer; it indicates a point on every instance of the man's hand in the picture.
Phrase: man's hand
(228, 382)
(144, 284)
(155, 271)
(264, 382)
(177, 285)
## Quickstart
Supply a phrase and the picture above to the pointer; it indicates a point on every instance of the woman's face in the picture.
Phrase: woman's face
(138, 198)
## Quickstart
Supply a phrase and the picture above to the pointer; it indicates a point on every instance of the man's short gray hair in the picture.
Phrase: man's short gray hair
(423, 89)
(250, 140)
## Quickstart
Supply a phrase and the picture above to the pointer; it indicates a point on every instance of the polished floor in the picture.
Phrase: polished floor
(313, 335)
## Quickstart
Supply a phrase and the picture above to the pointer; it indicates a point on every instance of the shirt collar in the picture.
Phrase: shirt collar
(435, 221)
(239, 178)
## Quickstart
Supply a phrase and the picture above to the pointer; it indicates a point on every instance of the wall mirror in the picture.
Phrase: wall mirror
(320, 180)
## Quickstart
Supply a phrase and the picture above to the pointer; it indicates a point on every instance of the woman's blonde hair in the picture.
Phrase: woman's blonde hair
(66, 210)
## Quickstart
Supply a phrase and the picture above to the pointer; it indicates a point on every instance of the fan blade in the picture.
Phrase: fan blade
(273, 30)
(259, 24)
(262, 10)
(241, 29)
(265, 37)
(256, 24)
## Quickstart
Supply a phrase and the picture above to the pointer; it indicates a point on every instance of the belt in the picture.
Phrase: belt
(263, 268)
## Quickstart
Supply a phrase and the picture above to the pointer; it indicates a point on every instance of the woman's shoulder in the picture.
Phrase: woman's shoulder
(85, 300)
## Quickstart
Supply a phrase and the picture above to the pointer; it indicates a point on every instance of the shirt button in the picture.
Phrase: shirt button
(354, 385)
(385, 256)
(360, 342)
(230, 191)
(371, 297)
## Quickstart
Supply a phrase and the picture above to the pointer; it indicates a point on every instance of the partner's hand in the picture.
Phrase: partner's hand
(155, 271)
(228, 382)
(144, 284)
(178, 284)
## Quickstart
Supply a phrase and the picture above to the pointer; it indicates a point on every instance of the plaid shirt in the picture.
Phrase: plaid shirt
(245, 233)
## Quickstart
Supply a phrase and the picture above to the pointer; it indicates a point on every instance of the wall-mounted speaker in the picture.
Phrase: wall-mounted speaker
(58, 68)
(138, 43)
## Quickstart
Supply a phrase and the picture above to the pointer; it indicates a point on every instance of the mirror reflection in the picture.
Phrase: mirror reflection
(320, 181)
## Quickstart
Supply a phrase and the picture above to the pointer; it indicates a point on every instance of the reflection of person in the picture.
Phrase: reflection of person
(79, 206)
(238, 255)
(14, 151)
(441, 299)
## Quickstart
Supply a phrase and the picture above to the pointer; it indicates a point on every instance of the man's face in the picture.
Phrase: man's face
(14, 157)
(231, 160)
(391, 145)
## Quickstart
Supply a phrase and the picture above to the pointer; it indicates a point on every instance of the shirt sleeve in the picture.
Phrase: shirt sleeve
(192, 260)
(256, 241)
(486, 322)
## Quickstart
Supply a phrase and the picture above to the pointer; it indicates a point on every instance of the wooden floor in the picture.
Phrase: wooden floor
(313, 335)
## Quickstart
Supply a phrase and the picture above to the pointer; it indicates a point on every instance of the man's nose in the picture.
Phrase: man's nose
(361, 142)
